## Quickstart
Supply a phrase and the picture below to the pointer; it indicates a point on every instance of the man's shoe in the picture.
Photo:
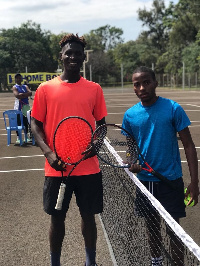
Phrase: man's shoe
(18, 141)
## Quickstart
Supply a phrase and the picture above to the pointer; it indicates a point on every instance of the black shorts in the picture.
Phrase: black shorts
(171, 199)
(88, 190)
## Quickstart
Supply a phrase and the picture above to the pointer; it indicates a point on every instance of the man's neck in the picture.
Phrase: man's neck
(70, 78)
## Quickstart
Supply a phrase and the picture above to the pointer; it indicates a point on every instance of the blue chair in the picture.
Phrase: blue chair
(10, 120)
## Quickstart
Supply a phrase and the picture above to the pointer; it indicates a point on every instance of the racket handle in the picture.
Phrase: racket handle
(60, 198)
(164, 179)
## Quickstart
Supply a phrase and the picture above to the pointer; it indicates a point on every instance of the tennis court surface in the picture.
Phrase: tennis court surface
(24, 225)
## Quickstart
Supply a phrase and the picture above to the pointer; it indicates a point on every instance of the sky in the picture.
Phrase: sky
(80, 16)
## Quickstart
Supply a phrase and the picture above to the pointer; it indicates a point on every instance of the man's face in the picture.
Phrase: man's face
(145, 87)
(18, 79)
(72, 55)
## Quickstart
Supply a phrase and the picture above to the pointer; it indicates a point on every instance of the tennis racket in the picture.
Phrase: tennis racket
(116, 147)
(71, 139)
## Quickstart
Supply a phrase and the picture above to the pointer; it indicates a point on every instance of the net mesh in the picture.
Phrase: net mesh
(127, 230)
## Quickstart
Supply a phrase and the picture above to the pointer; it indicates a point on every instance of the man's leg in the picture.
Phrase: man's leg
(56, 236)
(89, 232)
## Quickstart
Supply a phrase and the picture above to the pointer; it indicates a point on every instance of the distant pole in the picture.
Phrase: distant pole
(26, 69)
(183, 76)
(152, 66)
(90, 72)
(122, 76)
(196, 79)
(86, 60)
(84, 74)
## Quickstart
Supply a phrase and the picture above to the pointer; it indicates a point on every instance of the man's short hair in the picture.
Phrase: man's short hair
(145, 69)
(72, 38)
(18, 75)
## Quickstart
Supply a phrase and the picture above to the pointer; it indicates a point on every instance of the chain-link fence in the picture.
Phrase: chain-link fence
(179, 80)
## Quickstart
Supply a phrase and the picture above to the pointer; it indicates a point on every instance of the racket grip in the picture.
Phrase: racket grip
(164, 179)
(60, 198)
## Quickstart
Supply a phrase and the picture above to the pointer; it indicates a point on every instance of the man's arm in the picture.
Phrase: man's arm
(21, 95)
(39, 135)
(191, 156)
(100, 122)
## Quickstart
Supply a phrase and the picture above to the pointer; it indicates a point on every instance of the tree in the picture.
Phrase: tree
(104, 38)
(102, 41)
(26, 46)
(157, 31)
(182, 36)
(55, 47)
(190, 56)
(127, 55)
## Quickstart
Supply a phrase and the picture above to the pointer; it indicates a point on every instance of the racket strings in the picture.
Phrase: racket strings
(110, 136)
(98, 137)
(132, 151)
(71, 140)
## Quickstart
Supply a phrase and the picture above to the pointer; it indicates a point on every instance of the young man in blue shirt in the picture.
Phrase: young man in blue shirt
(155, 122)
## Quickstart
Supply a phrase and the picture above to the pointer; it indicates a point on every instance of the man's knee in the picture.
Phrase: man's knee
(88, 218)
(57, 220)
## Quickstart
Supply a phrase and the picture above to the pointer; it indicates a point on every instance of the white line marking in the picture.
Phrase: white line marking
(21, 156)
(22, 170)
(108, 242)
(193, 105)
(192, 110)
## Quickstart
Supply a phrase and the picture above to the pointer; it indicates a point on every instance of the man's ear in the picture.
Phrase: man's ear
(156, 83)
(60, 56)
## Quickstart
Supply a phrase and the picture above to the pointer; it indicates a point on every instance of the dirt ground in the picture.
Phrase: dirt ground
(24, 225)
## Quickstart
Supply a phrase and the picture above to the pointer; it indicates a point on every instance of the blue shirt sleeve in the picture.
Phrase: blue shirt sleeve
(180, 118)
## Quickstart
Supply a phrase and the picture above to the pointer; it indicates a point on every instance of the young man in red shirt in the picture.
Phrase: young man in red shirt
(69, 95)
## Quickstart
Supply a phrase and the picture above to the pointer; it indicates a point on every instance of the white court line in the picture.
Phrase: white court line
(21, 156)
(186, 161)
(192, 110)
(112, 255)
(193, 105)
(22, 170)
(183, 148)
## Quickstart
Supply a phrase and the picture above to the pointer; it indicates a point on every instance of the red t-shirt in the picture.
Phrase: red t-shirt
(55, 100)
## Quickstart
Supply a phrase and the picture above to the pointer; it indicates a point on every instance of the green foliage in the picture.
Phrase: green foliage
(103, 41)
(191, 56)
(55, 47)
(104, 38)
(153, 19)
(171, 37)
(26, 46)
(173, 31)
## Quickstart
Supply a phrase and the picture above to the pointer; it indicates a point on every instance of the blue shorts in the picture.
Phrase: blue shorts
(171, 199)
(88, 190)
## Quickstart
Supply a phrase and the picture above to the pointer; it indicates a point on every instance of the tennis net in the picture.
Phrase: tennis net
(130, 241)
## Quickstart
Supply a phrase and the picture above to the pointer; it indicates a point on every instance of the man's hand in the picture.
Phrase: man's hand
(90, 152)
(54, 162)
(135, 168)
(193, 190)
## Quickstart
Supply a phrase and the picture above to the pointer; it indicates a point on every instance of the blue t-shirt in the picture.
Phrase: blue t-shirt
(155, 129)
(19, 103)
